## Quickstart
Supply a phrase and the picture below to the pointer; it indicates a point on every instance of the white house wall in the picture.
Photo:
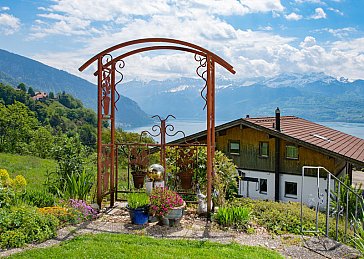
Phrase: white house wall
(310, 192)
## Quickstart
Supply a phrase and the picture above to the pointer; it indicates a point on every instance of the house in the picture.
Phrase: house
(39, 96)
(270, 153)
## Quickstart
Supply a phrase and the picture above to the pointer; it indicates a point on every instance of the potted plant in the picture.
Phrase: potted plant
(138, 207)
(167, 206)
(185, 163)
(139, 161)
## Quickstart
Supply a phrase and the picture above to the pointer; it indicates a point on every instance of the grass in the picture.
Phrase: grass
(32, 168)
(133, 246)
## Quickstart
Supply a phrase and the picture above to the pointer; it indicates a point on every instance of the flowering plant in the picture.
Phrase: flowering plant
(86, 211)
(163, 200)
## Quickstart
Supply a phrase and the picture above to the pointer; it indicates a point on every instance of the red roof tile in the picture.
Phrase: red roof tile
(316, 134)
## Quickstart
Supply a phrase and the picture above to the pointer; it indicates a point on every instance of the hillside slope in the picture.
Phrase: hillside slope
(15, 69)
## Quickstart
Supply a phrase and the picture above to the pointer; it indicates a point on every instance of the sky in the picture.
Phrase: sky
(258, 37)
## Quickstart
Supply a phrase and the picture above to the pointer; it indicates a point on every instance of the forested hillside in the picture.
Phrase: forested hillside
(16, 69)
(32, 126)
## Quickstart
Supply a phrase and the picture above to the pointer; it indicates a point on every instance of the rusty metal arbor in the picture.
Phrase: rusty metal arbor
(109, 75)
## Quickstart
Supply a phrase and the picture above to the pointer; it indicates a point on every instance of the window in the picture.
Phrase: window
(234, 147)
(290, 189)
(263, 186)
(263, 149)
(291, 152)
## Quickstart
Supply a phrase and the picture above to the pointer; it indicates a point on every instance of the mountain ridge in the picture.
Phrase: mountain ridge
(16, 69)
(313, 96)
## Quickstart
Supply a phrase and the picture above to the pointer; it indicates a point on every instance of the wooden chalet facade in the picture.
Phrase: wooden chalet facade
(270, 152)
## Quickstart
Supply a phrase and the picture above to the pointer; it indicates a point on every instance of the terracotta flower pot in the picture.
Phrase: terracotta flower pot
(186, 180)
(138, 179)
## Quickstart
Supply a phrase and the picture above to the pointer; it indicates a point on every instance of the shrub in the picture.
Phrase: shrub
(62, 214)
(138, 200)
(38, 198)
(237, 217)
(20, 225)
(7, 196)
(12, 238)
(279, 217)
(163, 200)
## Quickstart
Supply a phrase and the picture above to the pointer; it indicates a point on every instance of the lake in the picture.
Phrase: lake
(189, 127)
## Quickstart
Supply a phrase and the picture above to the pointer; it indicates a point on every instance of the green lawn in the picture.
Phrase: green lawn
(32, 168)
(132, 246)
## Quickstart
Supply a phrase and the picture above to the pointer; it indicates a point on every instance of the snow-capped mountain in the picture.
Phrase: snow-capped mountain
(314, 96)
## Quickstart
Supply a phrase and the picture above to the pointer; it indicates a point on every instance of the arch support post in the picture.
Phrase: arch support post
(210, 130)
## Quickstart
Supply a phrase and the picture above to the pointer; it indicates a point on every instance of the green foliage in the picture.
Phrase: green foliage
(136, 246)
(78, 185)
(231, 216)
(352, 196)
(225, 175)
(71, 179)
(22, 87)
(137, 200)
(7, 196)
(279, 217)
(30, 127)
(38, 198)
(31, 91)
(32, 168)
(20, 225)
(10, 189)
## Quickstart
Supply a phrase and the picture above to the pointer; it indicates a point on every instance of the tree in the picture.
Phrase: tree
(31, 91)
(22, 87)
(51, 95)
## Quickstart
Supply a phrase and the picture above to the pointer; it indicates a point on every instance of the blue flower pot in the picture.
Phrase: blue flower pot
(139, 216)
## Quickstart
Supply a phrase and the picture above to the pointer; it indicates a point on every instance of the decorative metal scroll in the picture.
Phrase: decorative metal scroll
(201, 71)
(106, 169)
(158, 130)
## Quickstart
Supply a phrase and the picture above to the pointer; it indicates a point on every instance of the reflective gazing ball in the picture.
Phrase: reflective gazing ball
(155, 172)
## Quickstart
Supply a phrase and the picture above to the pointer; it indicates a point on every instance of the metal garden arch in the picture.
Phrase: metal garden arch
(109, 75)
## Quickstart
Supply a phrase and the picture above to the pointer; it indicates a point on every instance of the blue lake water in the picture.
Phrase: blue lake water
(190, 127)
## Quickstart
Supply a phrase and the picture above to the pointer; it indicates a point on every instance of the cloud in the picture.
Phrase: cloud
(310, 1)
(252, 52)
(341, 32)
(293, 17)
(69, 13)
(4, 8)
(336, 11)
(9, 24)
(319, 14)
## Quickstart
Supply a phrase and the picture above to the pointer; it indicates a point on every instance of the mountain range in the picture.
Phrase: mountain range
(313, 96)
(16, 69)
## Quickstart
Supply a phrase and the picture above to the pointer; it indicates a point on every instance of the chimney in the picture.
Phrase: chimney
(278, 119)
(247, 116)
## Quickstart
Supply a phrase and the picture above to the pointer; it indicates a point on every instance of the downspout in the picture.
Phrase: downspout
(277, 155)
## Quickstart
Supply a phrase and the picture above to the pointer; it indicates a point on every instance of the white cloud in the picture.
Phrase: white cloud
(336, 11)
(293, 17)
(310, 1)
(265, 28)
(341, 32)
(319, 14)
(9, 24)
(4, 8)
(252, 53)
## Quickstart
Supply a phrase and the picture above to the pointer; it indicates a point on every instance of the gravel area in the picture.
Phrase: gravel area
(117, 220)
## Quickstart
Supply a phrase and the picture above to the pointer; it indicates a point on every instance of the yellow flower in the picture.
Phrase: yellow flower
(4, 176)
(19, 182)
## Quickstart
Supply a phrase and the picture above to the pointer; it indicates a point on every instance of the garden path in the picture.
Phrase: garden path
(117, 220)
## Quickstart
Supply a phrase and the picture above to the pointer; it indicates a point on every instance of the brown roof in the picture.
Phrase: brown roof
(317, 135)
(305, 133)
